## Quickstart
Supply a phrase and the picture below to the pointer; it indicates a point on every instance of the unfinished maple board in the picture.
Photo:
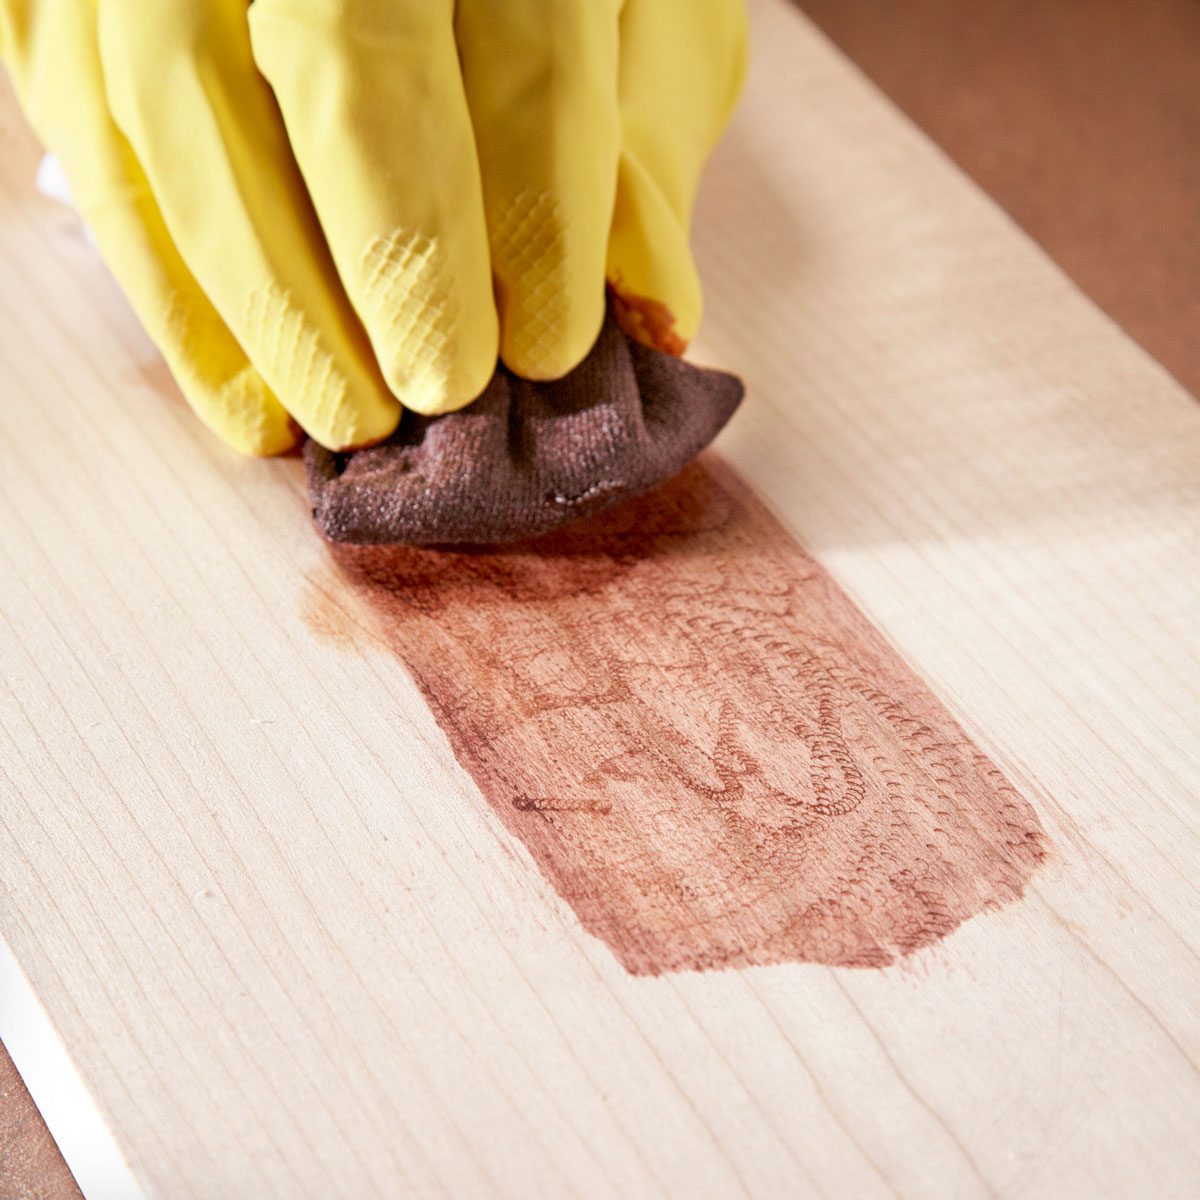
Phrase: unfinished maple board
(294, 950)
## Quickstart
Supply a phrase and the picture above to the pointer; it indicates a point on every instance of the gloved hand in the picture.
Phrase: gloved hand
(432, 183)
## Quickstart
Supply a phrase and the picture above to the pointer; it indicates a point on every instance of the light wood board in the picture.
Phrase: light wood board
(291, 950)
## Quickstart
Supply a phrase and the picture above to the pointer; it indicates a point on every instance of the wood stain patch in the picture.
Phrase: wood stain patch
(710, 753)
(648, 321)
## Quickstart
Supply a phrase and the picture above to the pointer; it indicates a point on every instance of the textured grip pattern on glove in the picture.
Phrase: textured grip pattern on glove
(408, 286)
(291, 352)
(529, 238)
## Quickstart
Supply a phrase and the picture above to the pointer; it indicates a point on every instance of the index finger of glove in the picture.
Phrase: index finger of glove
(372, 95)
(541, 83)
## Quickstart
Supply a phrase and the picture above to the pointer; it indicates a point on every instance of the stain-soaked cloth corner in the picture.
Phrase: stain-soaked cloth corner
(526, 457)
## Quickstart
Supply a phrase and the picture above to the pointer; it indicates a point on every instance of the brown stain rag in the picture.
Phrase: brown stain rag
(525, 457)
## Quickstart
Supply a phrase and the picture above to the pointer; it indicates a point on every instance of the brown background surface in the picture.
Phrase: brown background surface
(1081, 117)
(31, 1167)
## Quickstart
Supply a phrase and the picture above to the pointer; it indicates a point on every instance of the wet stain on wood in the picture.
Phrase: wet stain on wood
(709, 752)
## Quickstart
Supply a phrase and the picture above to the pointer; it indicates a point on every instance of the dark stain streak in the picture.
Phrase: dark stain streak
(538, 804)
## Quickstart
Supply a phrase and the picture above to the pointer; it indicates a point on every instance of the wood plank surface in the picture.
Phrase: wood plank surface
(293, 949)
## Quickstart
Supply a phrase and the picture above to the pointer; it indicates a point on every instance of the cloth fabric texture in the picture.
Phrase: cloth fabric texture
(526, 457)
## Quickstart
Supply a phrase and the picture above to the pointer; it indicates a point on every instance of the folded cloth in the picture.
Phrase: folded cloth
(525, 457)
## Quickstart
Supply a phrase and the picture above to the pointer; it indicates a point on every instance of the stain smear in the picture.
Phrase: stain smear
(707, 749)
(647, 321)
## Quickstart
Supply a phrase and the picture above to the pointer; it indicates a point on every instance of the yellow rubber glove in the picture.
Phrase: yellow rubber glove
(455, 180)
(51, 48)
(561, 138)
(177, 159)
